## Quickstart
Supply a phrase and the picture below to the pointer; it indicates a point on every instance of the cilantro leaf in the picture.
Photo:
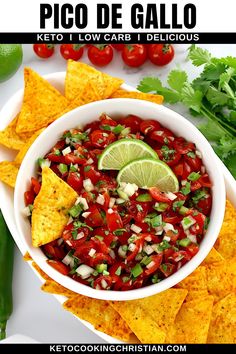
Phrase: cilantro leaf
(216, 97)
(191, 98)
(230, 162)
(199, 56)
(176, 79)
(150, 84)
(212, 130)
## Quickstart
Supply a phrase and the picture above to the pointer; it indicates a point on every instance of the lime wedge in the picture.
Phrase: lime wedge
(149, 172)
(121, 152)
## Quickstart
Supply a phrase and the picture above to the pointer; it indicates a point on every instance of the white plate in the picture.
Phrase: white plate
(6, 193)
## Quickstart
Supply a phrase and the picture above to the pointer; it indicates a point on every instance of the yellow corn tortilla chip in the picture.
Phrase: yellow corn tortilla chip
(42, 103)
(8, 172)
(196, 294)
(195, 281)
(221, 278)
(100, 314)
(163, 307)
(111, 84)
(27, 257)
(52, 287)
(77, 77)
(141, 323)
(50, 211)
(223, 321)
(21, 154)
(40, 271)
(10, 138)
(138, 95)
(88, 95)
(226, 242)
(212, 257)
(192, 322)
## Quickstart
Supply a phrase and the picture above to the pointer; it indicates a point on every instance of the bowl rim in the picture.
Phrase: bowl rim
(150, 289)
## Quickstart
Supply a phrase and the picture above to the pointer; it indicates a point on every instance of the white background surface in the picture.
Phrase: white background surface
(36, 314)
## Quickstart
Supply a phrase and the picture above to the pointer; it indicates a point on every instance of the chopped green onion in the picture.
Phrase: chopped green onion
(87, 168)
(139, 207)
(187, 222)
(73, 168)
(106, 127)
(183, 210)
(198, 195)
(100, 238)
(160, 207)
(119, 232)
(101, 267)
(185, 190)
(184, 242)
(118, 129)
(155, 279)
(163, 245)
(118, 271)
(191, 154)
(105, 272)
(57, 152)
(194, 176)
(75, 211)
(136, 270)
(178, 204)
(146, 197)
(146, 260)
(62, 168)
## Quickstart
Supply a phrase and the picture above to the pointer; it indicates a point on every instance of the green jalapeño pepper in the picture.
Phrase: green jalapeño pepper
(6, 270)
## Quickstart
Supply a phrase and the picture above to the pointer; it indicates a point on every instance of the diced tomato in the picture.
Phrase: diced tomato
(163, 136)
(171, 217)
(59, 266)
(183, 146)
(194, 162)
(35, 185)
(75, 180)
(29, 197)
(158, 196)
(204, 204)
(133, 122)
(173, 158)
(103, 282)
(54, 251)
(95, 218)
(91, 173)
(138, 211)
(106, 120)
(75, 159)
(156, 259)
(114, 220)
(167, 269)
(101, 139)
(192, 249)
(148, 126)
(55, 158)
(204, 180)
(195, 185)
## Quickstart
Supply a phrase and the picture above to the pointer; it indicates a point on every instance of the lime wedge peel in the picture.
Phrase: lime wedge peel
(121, 152)
(149, 172)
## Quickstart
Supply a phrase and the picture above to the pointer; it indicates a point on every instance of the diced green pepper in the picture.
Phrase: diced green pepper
(184, 242)
(136, 270)
(146, 197)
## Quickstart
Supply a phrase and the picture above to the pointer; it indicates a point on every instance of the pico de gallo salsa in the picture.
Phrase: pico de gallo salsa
(121, 237)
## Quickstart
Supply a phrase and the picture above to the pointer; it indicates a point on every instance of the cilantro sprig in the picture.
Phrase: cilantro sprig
(211, 97)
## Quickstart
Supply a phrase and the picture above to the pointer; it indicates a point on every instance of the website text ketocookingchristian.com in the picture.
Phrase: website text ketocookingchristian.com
(130, 348)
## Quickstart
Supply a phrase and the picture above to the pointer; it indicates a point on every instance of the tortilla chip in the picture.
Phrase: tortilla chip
(196, 294)
(8, 172)
(100, 314)
(141, 323)
(88, 95)
(223, 321)
(10, 138)
(21, 154)
(42, 103)
(138, 95)
(111, 85)
(163, 307)
(192, 322)
(52, 287)
(50, 211)
(40, 271)
(195, 281)
(27, 257)
(212, 257)
(226, 242)
(221, 278)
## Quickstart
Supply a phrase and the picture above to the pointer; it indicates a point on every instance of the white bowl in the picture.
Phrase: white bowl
(120, 107)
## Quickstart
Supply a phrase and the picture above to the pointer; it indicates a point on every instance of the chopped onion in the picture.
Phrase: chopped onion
(83, 201)
(130, 189)
(135, 228)
(191, 237)
(70, 220)
(26, 211)
(86, 214)
(92, 252)
(148, 239)
(112, 202)
(90, 161)
(66, 151)
(120, 201)
(121, 252)
(100, 199)
(69, 243)
(168, 227)
(45, 163)
(159, 230)
(148, 249)
(171, 195)
(104, 284)
(112, 254)
(110, 211)
(84, 271)
(80, 235)
(67, 259)
(150, 265)
(88, 186)
(184, 182)
(166, 238)
(131, 247)
(199, 154)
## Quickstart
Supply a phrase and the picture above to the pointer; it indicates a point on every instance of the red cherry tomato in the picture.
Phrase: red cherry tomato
(132, 122)
(118, 47)
(72, 51)
(100, 55)
(134, 55)
(114, 220)
(101, 139)
(75, 180)
(158, 196)
(59, 266)
(29, 197)
(44, 50)
(161, 54)
(148, 126)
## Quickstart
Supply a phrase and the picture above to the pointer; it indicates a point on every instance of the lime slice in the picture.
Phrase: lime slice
(121, 152)
(149, 172)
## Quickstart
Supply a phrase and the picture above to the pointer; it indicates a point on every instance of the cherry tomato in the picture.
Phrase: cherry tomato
(114, 220)
(131, 121)
(148, 126)
(101, 139)
(158, 196)
(161, 54)
(75, 180)
(29, 197)
(157, 259)
(72, 51)
(134, 55)
(59, 266)
(118, 47)
(100, 55)
(44, 50)
(36, 186)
